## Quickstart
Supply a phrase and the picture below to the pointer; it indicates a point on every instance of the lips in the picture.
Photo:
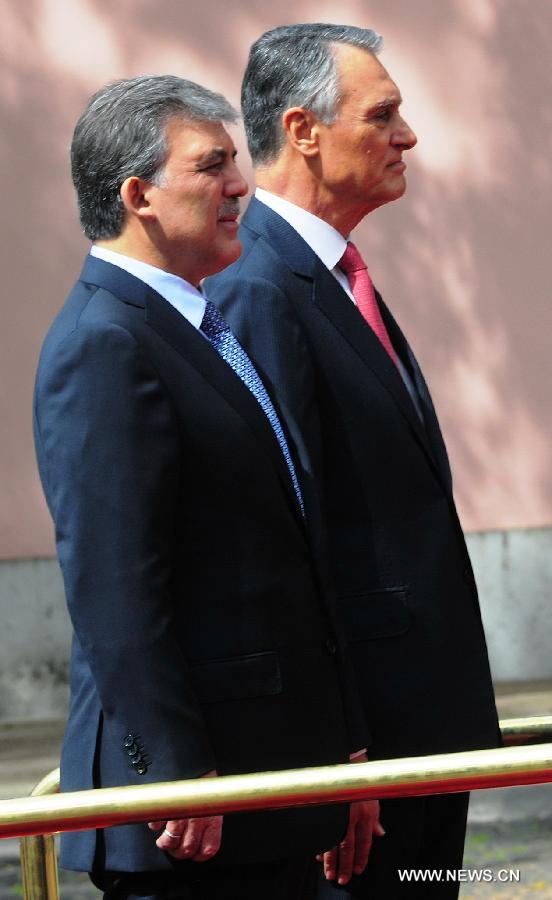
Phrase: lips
(397, 166)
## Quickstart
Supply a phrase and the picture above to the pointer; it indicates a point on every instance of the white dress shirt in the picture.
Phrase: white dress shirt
(323, 239)
(175, 290)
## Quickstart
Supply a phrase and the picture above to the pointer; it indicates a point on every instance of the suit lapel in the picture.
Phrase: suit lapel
(431, 421)
(186, 340)
(362, 339)
(344, 315)
(332, 301)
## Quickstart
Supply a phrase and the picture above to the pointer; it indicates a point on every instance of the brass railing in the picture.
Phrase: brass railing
(39, 870)
(34, 818)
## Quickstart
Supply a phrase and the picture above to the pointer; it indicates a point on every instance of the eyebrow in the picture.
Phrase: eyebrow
(386, 103)
(217, 154)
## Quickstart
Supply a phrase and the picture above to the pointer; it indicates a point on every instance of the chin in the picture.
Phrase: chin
(400, 189)
(226, 257)
(232, 253)
(394, 195)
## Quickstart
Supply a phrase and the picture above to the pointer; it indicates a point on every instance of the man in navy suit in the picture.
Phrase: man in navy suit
(205, 641)
(327, 140)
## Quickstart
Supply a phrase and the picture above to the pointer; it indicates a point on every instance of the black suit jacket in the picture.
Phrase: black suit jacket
(406, 588)
(204, 632)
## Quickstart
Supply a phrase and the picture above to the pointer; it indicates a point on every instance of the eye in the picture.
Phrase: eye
(384, 115)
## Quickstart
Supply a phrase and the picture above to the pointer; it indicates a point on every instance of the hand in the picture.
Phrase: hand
(197, 839)
(351, 855)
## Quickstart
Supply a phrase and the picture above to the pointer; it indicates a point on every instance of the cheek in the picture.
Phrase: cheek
(199, 215)
(365, 159)
(374, 153)
(368, 166)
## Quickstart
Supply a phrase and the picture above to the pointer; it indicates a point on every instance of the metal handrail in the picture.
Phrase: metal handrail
(37, 852)
(295, 787)
(32, 816)
(528, 730)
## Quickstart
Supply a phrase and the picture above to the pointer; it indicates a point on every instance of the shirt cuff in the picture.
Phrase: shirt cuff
(357, 753)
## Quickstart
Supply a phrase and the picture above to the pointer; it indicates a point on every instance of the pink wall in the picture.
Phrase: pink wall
(462, 258)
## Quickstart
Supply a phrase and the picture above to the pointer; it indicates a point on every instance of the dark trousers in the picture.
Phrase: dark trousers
(291, 879)
(421, 833)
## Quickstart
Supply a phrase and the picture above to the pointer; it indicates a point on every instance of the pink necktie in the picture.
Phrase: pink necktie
(362, 288)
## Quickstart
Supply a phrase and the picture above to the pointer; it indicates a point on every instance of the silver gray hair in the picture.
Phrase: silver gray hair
(294, 65)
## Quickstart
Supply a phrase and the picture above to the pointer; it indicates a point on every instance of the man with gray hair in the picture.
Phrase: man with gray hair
(327, 139)
(205, 640)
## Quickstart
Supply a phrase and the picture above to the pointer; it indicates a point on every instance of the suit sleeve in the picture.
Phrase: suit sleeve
(261, 316)
(112, 466)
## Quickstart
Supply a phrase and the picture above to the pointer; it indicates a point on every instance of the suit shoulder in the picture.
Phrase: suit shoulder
(259, 277)
(259, 259)
(99, 372)
(78, 348)
(90, 310)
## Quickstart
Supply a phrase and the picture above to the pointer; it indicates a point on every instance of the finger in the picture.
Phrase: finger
(363, 845)
(346, 857)
(191, 839)
(330, 864)
(171, 837)
(156, 826)
(368, 827)
(210, 840)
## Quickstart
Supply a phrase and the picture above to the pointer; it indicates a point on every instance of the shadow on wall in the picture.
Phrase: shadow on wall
(461, 259)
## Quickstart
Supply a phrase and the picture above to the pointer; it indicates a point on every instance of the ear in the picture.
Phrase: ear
(301, 128)
(136, 196)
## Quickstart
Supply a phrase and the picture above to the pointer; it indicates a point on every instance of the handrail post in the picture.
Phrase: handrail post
(39, 869)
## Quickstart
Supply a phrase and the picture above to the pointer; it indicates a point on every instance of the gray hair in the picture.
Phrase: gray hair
(122, 132)
(294, 65)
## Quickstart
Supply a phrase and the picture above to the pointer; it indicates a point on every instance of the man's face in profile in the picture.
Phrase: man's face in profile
(361, 152)
(196, 203)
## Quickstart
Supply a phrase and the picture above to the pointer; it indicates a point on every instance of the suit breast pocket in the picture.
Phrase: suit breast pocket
(237, 677)
(381, 613)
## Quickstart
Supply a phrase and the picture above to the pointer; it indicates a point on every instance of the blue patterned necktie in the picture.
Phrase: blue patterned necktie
(226, 343)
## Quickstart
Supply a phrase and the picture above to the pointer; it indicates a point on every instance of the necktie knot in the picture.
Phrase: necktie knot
(351, 261)
(212, 323)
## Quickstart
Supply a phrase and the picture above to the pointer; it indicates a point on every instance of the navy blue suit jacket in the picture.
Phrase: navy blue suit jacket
(205, 635)
(397, 553)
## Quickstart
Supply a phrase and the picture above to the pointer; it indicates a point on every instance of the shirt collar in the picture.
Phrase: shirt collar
(328, 244)
(179, 293)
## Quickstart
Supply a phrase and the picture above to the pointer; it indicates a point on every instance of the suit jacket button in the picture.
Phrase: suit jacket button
(128, 741)
(133, 749)
(139, 767)
(331, 646)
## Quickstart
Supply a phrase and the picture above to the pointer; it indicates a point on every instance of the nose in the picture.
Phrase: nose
(404, 136)
(235, 185)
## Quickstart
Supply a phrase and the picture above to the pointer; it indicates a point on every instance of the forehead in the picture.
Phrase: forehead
(362, 77)
(193, 140)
